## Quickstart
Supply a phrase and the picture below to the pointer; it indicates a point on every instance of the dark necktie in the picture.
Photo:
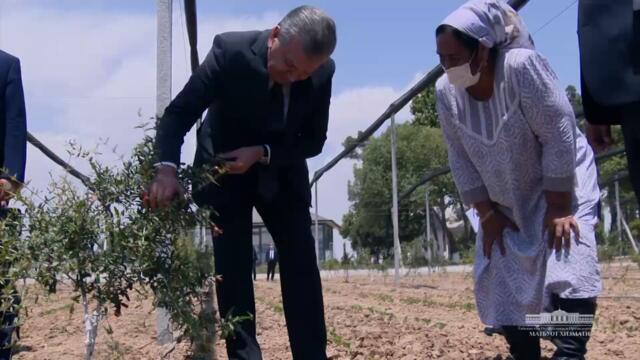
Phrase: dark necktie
(276, 106)
(267, 176)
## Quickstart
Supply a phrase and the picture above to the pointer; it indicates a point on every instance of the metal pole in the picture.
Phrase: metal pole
(619, 213)
(428, 215)
(394, 210)
(428, 80)
(630, 236)
(163, 58)
(317, 227)
(164, 329)
(622, 224)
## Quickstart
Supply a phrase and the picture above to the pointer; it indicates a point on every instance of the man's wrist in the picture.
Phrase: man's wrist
(266, 154)
(165, 163)
(166, 169)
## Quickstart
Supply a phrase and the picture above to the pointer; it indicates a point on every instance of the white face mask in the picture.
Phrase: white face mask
(461, 76)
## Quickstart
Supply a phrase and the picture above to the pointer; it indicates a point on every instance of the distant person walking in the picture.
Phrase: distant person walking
(272, 261)
(255, 260)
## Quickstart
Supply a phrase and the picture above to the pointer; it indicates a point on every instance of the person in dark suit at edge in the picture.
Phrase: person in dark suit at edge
(13, 156)
(271, 92)
(609, 36)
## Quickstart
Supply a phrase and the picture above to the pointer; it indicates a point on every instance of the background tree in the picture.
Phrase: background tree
(574, 97)
(423, 109)
(420, 149)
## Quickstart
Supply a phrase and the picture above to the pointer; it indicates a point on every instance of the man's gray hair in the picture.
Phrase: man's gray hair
(316, 30)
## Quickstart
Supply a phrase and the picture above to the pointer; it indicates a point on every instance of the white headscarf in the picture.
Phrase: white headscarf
(493, 23)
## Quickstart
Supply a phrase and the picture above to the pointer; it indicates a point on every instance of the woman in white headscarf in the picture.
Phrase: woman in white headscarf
(518, 158)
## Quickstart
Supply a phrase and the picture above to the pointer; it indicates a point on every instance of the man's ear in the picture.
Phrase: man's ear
(274, 34)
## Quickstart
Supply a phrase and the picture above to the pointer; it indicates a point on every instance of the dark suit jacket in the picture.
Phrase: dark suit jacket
(13, 119)
(609, 36)
(233, 83)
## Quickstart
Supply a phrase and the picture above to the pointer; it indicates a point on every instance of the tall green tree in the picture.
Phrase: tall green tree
(423, 109)
(368, 223)
(421, 149)
(574, 97)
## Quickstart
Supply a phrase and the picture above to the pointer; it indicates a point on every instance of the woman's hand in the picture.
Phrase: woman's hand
(558, 224)
(493, 224)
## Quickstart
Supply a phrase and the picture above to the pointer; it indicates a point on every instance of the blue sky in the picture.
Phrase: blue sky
(380, 42)
(89, 66)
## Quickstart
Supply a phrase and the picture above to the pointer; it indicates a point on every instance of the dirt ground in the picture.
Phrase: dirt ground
(427, 317)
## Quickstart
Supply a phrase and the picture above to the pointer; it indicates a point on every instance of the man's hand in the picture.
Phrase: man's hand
(242, 159)
(493, 226)
(558, 223)
(7, 190)
(599, 137)
(163, 189)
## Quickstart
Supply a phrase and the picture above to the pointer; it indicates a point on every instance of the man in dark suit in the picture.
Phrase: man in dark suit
(268, 96)
(609, 34)
(13, 154)
(13, 127)
(272, 261)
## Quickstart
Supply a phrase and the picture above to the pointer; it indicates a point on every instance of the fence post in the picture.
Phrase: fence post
(394, 210)
(164, 331)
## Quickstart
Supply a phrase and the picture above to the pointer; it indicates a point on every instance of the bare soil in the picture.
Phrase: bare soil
(426, 317)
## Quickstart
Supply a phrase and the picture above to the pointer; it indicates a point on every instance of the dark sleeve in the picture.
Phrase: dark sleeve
(635, 38)
(196, 96)
(15, 142)
(313, 134)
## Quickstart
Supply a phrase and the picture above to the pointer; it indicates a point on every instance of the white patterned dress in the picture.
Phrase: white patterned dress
(510, 149)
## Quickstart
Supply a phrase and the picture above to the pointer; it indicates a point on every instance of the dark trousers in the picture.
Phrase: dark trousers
(7, 318)
(7, 327)
(271, 269)
(631, 133)
(254, 270)
(288, 220)
(524, 346)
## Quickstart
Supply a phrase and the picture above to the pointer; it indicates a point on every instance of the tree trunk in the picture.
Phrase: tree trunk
(439, 237)
(611, 201)
(204, 343)
(468, 236)
(443, 223)
(91, 321)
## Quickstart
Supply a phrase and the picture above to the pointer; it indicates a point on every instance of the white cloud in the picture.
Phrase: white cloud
(87, 74)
